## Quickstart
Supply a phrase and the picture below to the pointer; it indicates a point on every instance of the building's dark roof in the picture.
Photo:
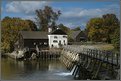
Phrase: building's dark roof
(58, 32)
(74, 34)
(34, 35)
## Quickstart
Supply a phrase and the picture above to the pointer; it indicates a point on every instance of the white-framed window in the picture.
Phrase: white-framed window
(64, 36)
(55, 37)
(64, 42)
(45, 43)
(34, 43)
(55, 41)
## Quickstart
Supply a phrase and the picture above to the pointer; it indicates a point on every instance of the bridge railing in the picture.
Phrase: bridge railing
(110, 56)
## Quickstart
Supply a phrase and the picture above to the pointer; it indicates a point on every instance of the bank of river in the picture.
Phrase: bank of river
(33, 70)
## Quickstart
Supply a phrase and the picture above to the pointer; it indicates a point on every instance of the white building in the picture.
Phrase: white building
(57, 38)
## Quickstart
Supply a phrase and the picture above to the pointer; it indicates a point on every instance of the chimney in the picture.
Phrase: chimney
(49, 29)
(57, 28)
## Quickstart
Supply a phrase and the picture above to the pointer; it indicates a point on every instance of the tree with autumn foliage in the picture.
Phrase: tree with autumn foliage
(115, 39)
(104, 29)
(10, 28)
(110, 25)
(94, 28)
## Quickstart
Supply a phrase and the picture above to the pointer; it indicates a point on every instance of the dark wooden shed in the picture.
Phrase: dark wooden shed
(78, 36)
(31, 39)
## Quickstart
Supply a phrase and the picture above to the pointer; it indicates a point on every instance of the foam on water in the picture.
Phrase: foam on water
(66, 73)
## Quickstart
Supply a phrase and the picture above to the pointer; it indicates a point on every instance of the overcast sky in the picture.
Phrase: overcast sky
(74, 13)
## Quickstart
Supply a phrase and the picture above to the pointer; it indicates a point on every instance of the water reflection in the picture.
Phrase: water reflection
(33, 70)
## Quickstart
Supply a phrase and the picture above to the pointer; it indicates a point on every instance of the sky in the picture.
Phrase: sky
(74, 13)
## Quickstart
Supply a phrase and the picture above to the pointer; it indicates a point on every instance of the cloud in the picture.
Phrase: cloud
(71, 16)
(69, 24)
(74, 17)
(27, 7)
(97, 12)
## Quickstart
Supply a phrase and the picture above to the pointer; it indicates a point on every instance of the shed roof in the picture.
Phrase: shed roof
(74, 34)
(34, 34)
(82, 34)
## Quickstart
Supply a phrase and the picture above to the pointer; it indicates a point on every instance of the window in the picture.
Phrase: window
(64, 36)
(34, 43)
(64, 41)
(55, 37)
(55, 41)
(52, 45)
(45, 43)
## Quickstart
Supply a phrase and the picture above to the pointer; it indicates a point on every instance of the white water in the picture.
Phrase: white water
(67, 73)
(73, 69)
(37, 48)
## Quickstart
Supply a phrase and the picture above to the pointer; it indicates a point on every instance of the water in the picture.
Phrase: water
(34, 70)
(67, 73)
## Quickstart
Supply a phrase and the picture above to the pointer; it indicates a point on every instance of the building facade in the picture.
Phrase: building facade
(56, 41)
(31, 39)
(50, 39)
(57, 38)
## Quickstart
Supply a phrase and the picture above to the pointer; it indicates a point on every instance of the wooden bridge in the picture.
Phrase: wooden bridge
(91, 63)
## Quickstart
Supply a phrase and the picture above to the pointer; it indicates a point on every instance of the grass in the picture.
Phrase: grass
(100, 46)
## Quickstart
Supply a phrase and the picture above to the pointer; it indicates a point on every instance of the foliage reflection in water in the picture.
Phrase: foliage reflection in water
(34, 70)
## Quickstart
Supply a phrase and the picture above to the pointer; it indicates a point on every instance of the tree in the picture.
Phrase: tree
(111, 23)
(94, 28)
(47, 17)
(64, 28)
(102, 29)
(53, 25)
(10, 28)
(32, 25)
(116, 39)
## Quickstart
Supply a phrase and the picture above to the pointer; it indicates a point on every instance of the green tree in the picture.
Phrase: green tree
(111, 23)
(102, 29)
(47, 17)
(94, 29)
(64, 28)
(10, 28)
(116, 39)
(32, 25)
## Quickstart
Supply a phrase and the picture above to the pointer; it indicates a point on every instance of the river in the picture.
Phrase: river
(34, 70)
